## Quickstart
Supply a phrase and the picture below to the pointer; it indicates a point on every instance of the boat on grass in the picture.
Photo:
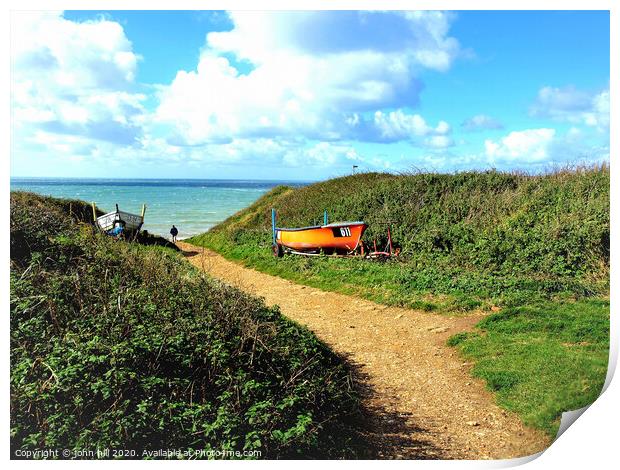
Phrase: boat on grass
(336, 238)
(119, 222)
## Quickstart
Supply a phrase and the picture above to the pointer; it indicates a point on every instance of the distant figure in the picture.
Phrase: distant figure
(174, 232)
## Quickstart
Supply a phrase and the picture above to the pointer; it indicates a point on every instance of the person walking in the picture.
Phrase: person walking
(174, 232)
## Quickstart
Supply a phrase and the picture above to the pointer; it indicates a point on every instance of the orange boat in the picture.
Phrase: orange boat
(340, 237)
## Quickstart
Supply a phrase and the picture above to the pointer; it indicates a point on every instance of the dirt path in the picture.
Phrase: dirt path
(423, 401)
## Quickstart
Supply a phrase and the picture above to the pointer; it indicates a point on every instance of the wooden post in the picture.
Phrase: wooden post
(273, 225)
(137, 232)
(94, 213)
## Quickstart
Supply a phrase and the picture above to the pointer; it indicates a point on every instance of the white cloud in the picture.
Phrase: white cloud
(397, 125)
(293, 89)
(74, 90)
(439, 142)
(92, 54)
(323, 154)
(248, 152)
(531, 145)
(73, 79)
(481, 122)
(306, 84)
(259, 35)
(433, 48)
(569, 104)
(529, 149)
(537, 148)
(598, 116)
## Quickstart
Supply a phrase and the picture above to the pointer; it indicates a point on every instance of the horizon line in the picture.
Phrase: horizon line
(160, 179)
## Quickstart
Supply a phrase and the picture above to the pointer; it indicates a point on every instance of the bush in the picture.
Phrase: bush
(474, 236)
(121, 346)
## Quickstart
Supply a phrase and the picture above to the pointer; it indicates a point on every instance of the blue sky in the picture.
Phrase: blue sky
(306, 95)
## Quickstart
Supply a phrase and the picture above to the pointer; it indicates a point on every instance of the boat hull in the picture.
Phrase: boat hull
(343, 237)
(108, 221)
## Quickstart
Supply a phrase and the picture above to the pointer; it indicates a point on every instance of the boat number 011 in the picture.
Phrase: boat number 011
(345, 231)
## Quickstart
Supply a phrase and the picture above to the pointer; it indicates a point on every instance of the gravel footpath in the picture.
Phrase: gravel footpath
(420, 397)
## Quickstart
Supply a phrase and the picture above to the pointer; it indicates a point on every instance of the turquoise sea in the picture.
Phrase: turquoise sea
(193, 205)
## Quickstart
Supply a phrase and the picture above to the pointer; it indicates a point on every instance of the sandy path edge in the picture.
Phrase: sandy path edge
(426, 403)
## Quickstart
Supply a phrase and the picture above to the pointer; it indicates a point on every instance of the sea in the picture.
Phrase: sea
(192, 205)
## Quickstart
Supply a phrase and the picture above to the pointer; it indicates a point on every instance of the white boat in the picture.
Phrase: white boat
(126, 220)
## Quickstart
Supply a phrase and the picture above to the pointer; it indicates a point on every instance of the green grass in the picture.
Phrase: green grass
(124, 346)
(383, 282)
(470, 240)
(542, 359)
(537, 246)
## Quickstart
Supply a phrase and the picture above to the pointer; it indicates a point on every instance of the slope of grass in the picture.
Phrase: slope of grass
(121, 346)
(536, 246)
(469, 240)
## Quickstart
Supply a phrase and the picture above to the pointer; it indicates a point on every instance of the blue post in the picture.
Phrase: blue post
(325, 219)
(273, 225)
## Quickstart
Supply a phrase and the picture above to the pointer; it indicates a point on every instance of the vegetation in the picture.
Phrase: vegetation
(469, 240)
(122, 346)
(542, 359)
(535, 247)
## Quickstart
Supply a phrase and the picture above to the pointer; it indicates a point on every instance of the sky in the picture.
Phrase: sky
(306, 95)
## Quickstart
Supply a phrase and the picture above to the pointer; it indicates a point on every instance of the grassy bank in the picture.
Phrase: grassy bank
(124, 346)
(469, 241)
(542, 359)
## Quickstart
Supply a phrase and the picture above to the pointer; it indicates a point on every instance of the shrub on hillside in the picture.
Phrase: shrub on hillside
(120, 346)
(482, 233)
